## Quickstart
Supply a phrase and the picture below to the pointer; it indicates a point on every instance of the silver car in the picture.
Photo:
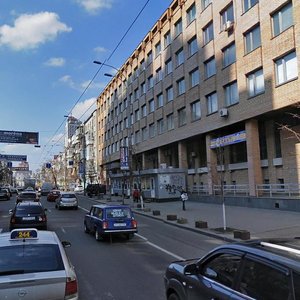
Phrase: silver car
(34, 266)
(67, 199)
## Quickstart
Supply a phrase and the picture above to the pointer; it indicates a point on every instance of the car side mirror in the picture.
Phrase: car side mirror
(210, 273)
(66, 244)
(191, 269)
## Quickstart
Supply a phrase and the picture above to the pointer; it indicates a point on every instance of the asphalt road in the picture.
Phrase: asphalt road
(120, 269)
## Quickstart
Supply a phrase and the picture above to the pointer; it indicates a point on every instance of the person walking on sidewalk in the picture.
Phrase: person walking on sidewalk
(184, 197)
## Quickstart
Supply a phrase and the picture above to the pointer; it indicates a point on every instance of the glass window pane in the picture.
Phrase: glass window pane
(291, 66)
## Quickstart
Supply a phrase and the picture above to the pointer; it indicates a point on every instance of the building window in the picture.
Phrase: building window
(167, 39)
(194, 77)
(142, 65)
(210, 67)
(205, 3)
(151, 130)
(179, 57)
(144, 133)
(282, 19)
(137, 137)
(208, 33)
(252, 39)
(286, 68)
(181, 117)
(157, 49)
(151, 105)
(143, 88)
(229, 56)
(227, 15)
(170, 121)
(126, 122)
(137, 115)
(160, 126)
(193, 46)
(169, 66)
(144, 110)
(212, 103)
(131, 119)
(196, 110)
(170, 94)
(159, 75)
(150, 82)
(191, 14)
(149, 58)
(136, 94)
(160, 100)
(178, 27)
(249, 3)
(231, 94)
(181, 86)
(255, 83)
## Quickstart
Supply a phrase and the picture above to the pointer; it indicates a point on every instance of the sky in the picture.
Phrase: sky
(47, 49)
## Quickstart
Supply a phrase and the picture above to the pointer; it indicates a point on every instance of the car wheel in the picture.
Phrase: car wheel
(97, 235)
(173, 296)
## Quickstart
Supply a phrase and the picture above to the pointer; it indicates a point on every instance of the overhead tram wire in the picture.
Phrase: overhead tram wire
(91, 81)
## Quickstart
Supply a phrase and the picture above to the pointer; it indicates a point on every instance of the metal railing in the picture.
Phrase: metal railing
(198, 189)
(232, 189)
(274, 190)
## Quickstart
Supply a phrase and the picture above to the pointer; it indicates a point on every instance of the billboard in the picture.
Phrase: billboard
(19, 137)
(227, 140)
(124, 158)
(12, 157)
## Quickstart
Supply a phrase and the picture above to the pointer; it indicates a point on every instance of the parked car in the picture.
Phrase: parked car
(95, 189)
(4, 194)
(53, 195)
(258, 269)
(28, 196)
(105, 220)
(66, 200)
(34, 266)
(28, 214)
(79, 189)
(14, 190)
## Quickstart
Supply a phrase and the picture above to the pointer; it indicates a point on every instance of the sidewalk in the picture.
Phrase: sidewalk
(260, 223)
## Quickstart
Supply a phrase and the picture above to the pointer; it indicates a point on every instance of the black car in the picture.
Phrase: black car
(28, 214)
(95, 189)
(260, 269)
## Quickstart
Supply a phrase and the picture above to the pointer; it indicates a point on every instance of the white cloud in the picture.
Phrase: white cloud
(100, 49)
(55, 62)
(31, 30)
(84, 108)
(98, 86)
(67, 79)
(93, 6)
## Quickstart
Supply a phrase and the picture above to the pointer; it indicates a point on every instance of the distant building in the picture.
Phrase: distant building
(71, 126)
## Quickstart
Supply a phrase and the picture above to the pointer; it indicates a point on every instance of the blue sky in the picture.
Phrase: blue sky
(47, 49)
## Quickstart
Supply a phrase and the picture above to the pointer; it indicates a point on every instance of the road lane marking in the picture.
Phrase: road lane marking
(159, 248)
(150, 243)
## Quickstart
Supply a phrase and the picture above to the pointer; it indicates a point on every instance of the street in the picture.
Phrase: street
(119, 269)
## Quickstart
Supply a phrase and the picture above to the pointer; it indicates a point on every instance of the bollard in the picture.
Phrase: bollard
(241, 234)
(171, 217)
(156, 212)
(201, 224)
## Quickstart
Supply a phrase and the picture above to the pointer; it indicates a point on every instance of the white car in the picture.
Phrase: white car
(66, 199)
(79, 189)
(34, 266)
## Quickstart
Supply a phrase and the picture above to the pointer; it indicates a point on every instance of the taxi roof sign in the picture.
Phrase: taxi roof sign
(24, 234)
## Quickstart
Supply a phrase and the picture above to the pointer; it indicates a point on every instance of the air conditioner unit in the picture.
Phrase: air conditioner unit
(223, 112)
(228, 26)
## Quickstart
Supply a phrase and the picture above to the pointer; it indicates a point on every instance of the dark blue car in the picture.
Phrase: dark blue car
(108, 220)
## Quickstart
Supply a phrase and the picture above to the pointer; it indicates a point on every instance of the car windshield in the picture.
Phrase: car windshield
(21, 259)
(68, 196)
(21, 211)
(28, 196)
(112, 213)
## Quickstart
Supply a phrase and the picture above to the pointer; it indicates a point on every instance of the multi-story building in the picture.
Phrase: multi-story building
(208, 90)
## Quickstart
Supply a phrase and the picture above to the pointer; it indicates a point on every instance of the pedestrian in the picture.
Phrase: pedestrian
(184, 197)
(136, 195)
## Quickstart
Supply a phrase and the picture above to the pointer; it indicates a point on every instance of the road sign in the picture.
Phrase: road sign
(124, 158)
